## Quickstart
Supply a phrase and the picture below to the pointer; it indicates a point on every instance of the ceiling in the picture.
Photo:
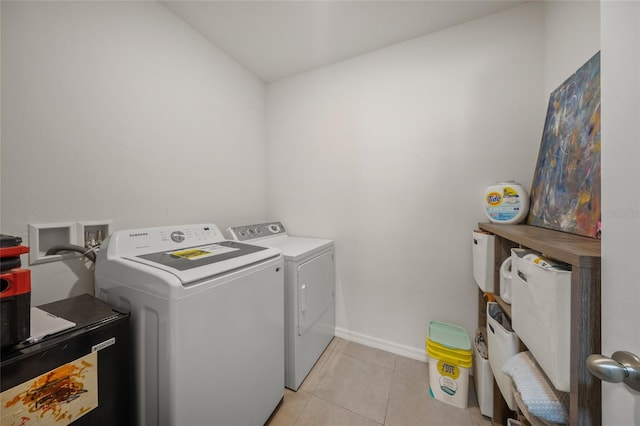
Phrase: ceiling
(277, 39)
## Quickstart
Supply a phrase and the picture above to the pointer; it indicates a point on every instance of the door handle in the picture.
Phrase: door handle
(623, 366)
(303, 298)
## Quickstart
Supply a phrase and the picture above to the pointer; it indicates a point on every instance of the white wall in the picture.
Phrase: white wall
(572, 37)
(570, 43)
(390, 153)
(620, 199)
(119, 110)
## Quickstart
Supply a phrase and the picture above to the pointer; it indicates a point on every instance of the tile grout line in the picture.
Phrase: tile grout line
(386, 408)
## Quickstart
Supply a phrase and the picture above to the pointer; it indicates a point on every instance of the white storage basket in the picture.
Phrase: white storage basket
(541, 314)
(503, 344)
(483, 245)
(482, 376)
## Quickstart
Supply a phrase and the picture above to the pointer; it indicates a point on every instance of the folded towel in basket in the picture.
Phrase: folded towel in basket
(537, 392)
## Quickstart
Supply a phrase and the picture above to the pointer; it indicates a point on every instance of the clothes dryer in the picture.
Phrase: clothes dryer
(309, 294)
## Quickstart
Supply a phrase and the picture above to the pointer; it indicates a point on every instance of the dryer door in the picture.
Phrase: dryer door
(316, 284)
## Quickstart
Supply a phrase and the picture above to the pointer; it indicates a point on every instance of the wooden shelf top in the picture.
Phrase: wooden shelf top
(573, 249)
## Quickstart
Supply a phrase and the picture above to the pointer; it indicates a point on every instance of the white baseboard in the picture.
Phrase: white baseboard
(419, 354)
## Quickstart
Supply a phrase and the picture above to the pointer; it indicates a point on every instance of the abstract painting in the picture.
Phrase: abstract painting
(57, 397)
(565, 194)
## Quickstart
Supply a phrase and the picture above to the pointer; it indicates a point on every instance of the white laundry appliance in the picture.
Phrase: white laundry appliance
(310, 313)
(208, 323)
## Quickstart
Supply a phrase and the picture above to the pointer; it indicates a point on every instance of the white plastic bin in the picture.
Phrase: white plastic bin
(450, 359)
(482, 375)
(483, 253)
(505, 280)
(503, 344)
(541, 314)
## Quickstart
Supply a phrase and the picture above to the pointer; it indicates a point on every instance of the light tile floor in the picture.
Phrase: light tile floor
(355, 385)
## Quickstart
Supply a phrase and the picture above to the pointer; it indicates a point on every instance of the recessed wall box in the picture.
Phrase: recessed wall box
(44, 236)
(92, 233)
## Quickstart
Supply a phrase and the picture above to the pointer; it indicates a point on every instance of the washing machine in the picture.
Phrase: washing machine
(310, 313)
(208, 323)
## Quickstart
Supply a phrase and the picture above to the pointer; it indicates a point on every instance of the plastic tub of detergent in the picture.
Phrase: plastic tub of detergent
(450, 360)
(506, 202)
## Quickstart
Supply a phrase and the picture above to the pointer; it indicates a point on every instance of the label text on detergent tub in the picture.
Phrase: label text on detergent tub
(505, 206)
(449, 370)
(448, 375)
(494, 199)
(448, 386)
(510, 195)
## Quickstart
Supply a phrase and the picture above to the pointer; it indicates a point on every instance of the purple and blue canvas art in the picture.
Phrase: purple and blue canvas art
(565, 194)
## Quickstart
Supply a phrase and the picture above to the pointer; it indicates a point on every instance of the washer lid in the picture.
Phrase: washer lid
(202, 262)
(191, 253)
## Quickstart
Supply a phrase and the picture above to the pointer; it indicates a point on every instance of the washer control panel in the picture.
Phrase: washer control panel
(135, 242)
(258, 230)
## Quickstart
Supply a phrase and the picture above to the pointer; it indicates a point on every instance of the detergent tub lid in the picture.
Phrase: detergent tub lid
(449, 335)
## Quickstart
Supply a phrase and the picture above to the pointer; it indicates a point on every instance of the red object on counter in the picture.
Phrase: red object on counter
(15, 282)
(15, 293)
(13, 251)
(15, 306)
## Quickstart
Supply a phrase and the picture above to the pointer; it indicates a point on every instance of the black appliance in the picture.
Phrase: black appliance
(101, 334)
